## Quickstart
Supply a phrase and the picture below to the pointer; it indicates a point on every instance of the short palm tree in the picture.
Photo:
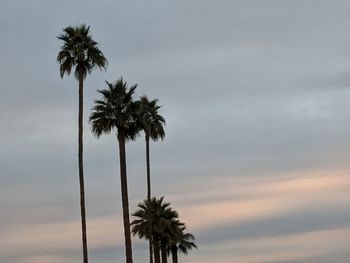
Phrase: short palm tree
(171, 232)
(153, 126)
(80, 51)
(182, 242)
(153, 219)
(117, 110)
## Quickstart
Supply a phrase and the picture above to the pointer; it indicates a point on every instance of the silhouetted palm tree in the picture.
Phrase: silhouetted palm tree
(117, 110)
(171, 232)
(79, 50)
(153, 126)
(182, 242)
(153, 220)
(143, 225)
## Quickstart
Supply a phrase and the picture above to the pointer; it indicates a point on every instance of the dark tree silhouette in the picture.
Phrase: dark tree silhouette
(153, 126)
(117, 110)
(180, 241)
(157, 220)
(79, 50)
(152, 219)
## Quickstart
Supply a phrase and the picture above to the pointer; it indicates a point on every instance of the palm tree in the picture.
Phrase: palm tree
(117, 110)
(153, 219)
(182, 242)
(153, 126)
(143, 226)
(171, 232)
(79, 50)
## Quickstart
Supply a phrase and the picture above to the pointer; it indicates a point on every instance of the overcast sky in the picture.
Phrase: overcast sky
(256, 96)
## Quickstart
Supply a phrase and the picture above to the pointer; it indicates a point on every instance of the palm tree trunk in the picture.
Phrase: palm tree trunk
(174, 254)
(125, 201)
(148, 167)
(156, 250)
(150, 250)
(81, 169)
(163, 250)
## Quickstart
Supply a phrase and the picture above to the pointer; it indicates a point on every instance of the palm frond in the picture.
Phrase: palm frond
(115, 110)
(151, 122)
(79, 50)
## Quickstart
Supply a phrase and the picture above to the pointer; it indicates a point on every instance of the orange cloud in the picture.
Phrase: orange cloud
(230, 200)
(244, 199)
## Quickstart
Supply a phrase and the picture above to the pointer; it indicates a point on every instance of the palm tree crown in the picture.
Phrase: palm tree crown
(79, 50)
(116, 109)
(186, 243)
(149, 119)
(180, 241)
(154, 216)
(157, 221)
(153, 222)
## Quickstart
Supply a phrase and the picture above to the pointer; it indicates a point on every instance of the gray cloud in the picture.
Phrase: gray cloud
(303, 221)
(248, 88)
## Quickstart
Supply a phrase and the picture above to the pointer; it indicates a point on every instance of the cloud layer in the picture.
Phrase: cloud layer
(255, 95)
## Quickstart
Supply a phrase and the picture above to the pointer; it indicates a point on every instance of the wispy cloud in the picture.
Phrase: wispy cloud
(235, 200)
(233, 203)
(38, 241)
(252, 94)
(287, 248)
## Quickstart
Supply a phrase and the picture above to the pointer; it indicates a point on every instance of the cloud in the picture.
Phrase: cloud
(256, 102)
(300, 247)
(244, 208)
(258, 207)
(60, 237)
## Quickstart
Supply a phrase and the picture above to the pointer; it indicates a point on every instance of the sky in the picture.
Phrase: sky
(256, 156)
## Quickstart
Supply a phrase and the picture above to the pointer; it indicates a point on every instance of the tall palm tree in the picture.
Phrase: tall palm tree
(153, 126)
(79, 50)
(153, 219)
(117, 110)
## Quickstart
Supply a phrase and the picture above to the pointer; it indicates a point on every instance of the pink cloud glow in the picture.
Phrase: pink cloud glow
(244, 199)
(233, 201)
